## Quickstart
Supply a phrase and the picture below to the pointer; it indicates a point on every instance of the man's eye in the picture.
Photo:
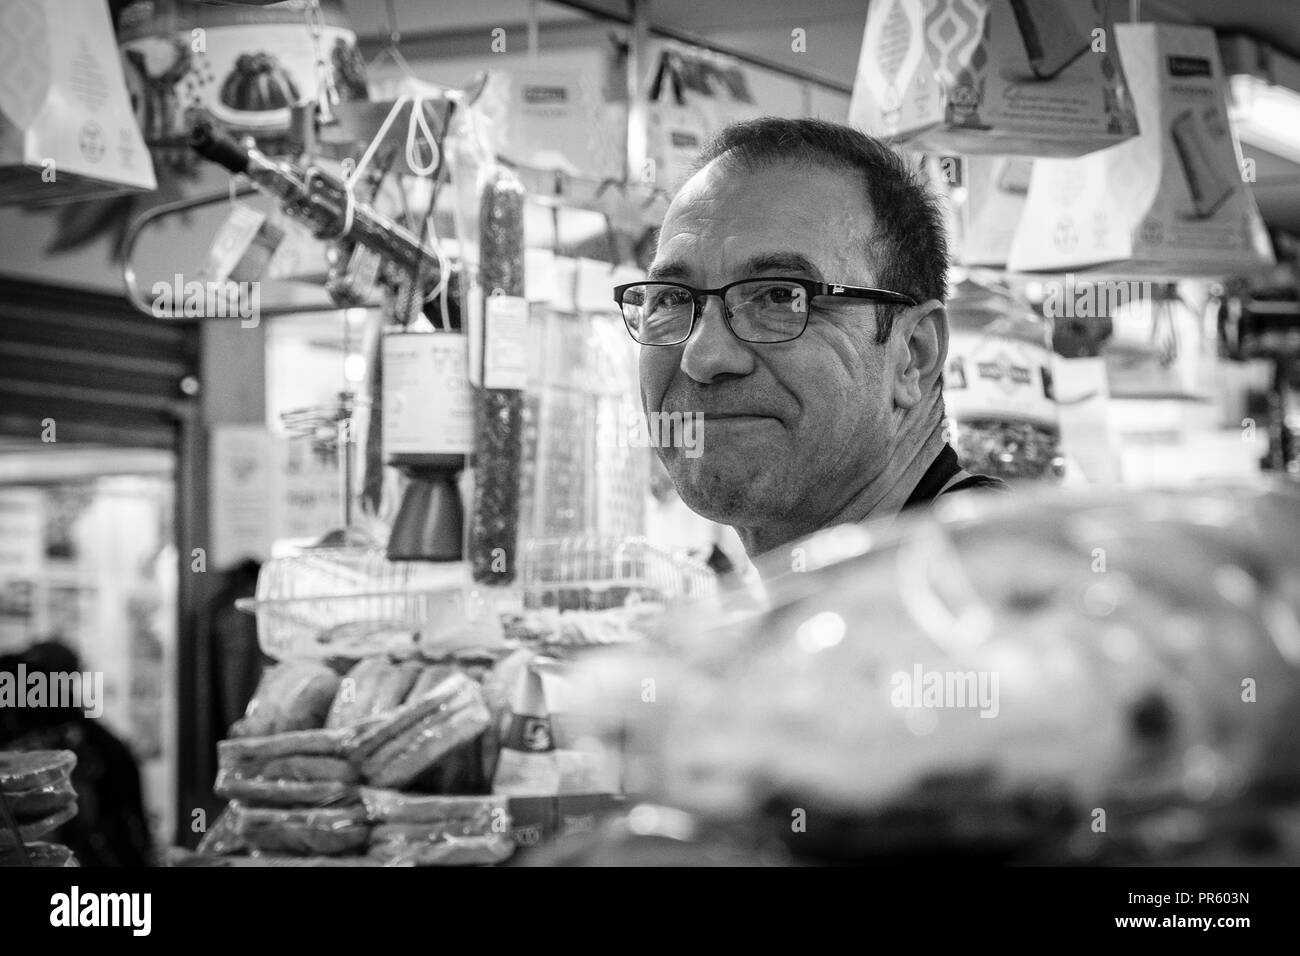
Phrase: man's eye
(670, 299)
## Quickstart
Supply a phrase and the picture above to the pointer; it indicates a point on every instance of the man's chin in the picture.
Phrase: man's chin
(740, 497)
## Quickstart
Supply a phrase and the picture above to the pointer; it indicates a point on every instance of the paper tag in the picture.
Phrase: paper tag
(232, 241)
(427, 399)
(253, 263)
(505, 349)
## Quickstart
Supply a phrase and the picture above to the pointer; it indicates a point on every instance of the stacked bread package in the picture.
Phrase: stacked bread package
(37, 796)
(379, 764)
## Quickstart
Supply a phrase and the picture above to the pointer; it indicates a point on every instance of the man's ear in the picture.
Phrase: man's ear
(918, 351)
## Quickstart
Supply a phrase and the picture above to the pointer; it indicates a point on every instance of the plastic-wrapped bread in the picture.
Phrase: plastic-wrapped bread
(38, 854)
(24, 770)
(293, 695)
(39, 802)
(300, 768)
(325, 832)
(373, 686)
(423, 731)
(435, 687)
(498, 425)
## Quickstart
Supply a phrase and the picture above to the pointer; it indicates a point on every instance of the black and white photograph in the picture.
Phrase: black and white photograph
(404, 464)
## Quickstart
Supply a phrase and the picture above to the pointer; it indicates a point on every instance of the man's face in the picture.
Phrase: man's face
(790, 430)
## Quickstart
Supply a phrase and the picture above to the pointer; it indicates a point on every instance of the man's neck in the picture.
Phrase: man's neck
(883, 496)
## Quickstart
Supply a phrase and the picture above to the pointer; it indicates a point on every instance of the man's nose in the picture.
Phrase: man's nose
(712, 352)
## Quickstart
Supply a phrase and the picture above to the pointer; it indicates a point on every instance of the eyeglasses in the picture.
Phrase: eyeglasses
(761, 311)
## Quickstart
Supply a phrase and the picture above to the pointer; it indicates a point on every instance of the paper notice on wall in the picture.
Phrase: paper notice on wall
(308, 494)
(22, 533)
(243, 466)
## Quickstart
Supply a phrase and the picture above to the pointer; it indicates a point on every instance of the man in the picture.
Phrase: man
(820, 381)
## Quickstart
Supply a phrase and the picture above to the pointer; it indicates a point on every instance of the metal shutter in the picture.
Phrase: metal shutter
(105, 373)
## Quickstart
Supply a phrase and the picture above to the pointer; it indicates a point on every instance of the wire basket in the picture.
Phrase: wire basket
(327, 602)
(599, 572)
(354, 602)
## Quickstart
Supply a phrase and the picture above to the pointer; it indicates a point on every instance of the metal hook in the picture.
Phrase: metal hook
(133, 293)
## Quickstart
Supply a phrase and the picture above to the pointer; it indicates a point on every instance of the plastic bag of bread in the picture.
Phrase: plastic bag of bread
(436, 830)
(299, 768)
(38, 854)
(294, 695)
(34, 828)
(433, 689)
(423, 844)
(373, 686)
(38, 802)
(316, 832)
(405, 743)
(222, 839)
(27, 769)
(465, 815)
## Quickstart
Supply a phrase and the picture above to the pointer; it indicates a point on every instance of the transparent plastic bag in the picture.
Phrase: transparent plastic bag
(373, 686)
(293, 695)
(437, 831)
(300, 768)
(315, 832)
(25, 769)
(34, 829)
(425, 845)
(38, 854)
(40, 801)
(404, 757)
(440, 689)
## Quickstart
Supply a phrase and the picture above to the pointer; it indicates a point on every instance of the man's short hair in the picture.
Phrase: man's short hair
(909, 246)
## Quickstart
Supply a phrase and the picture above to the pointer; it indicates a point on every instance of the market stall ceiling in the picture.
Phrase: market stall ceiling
(833, 28)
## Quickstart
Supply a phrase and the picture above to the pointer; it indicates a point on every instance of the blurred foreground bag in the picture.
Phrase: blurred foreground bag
(67, 131)
(1170, 202)
(1028, 77)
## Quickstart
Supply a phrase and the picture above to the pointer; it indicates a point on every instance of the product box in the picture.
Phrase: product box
(1020, 77)
(552, 119)
(67, 130)
(985, 197)
(533, 820)
(1169, 202)
(578, 813)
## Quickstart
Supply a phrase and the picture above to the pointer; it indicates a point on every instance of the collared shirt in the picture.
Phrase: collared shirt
(946, 474)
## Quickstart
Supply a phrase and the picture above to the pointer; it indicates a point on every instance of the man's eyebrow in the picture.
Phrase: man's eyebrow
(670, 270)
(792, 262)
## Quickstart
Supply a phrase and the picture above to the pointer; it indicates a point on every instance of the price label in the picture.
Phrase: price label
(505, 349)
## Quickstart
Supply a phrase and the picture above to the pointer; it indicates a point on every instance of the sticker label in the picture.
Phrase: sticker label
(505, 326)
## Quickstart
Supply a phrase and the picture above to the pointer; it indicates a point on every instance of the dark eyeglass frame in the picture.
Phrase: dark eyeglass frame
(812, 290)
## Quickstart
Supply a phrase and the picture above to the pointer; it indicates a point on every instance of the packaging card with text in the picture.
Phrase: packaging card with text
(67, 130)
(1170, 202)
(1020, 77)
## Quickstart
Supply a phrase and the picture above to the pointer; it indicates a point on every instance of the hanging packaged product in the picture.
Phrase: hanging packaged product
(692, 97)
(428, 430)
(1170, 202)
(985, 197)
(1026, 77)
(998, 385)
(499, 367)
(245, 67)
(551, 119)
(66, 127)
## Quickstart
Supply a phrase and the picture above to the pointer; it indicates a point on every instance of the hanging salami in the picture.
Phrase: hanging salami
(498, 420)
